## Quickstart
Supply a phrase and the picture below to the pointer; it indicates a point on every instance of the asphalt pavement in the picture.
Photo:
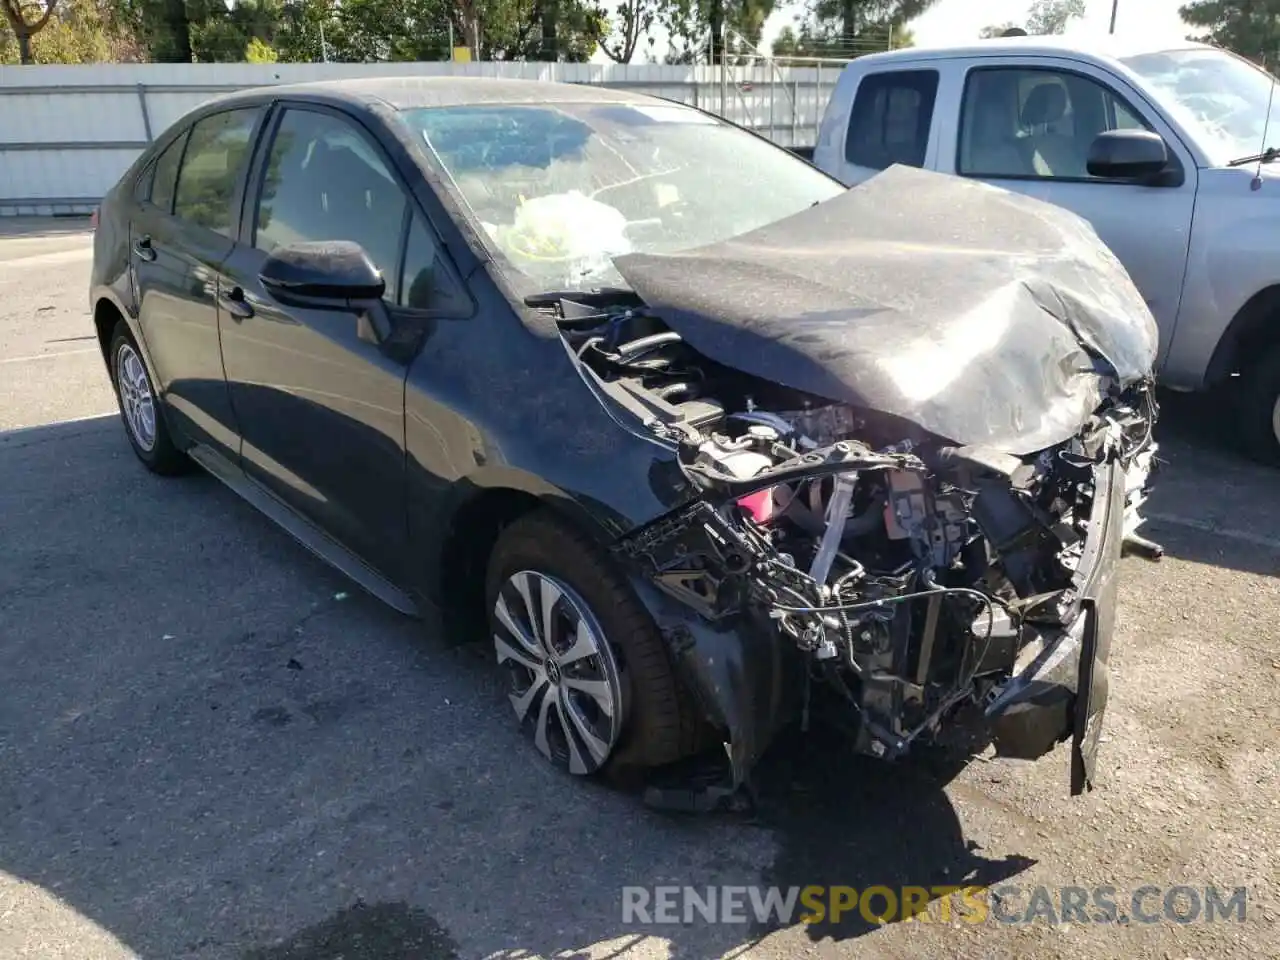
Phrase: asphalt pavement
(213, 746)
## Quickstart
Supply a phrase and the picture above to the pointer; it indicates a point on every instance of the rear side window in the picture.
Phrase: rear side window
(211, 169)
(166, 175)
(890, 119)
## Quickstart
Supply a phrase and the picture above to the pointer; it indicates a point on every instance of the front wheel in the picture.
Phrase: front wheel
(140, 407)
(1260, 407)
(590, 681)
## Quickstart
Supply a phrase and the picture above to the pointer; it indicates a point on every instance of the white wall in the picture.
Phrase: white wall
(68, 132)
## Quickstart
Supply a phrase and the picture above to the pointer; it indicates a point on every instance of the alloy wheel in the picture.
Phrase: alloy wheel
(136, 400)
(565, 685)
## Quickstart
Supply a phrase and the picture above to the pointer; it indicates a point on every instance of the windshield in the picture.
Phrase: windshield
(561, 190)
(1217, 95)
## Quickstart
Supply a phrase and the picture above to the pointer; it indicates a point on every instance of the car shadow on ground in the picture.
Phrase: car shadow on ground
(216, 747)
(1211, 504)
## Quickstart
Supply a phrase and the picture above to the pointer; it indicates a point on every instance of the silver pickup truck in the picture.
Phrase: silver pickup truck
(1163, 150)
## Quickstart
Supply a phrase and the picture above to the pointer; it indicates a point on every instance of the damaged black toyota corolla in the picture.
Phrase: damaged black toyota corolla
(718, 445)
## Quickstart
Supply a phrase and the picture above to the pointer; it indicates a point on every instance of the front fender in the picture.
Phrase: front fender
(738, 672)
(1230, 260)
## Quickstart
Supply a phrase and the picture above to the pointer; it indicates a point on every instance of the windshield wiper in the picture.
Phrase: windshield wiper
(597, 296)
(1266, 156)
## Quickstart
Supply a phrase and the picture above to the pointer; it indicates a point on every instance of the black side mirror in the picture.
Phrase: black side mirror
(1137, 155)
(330, 275)
(329, 272)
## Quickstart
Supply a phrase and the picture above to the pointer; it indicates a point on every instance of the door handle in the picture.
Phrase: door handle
(143, 248)
(236, 303)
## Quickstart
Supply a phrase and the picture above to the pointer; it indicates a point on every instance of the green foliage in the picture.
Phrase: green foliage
(77, 31)
(1045, 17)
(256, 51)
(1250, 28)
(843, 29)
(1052, 16)
(995, 30)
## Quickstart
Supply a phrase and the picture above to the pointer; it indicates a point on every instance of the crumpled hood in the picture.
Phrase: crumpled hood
(983, 316)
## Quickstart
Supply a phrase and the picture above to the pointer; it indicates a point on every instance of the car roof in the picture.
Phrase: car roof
(408, 92)
(1095, 47)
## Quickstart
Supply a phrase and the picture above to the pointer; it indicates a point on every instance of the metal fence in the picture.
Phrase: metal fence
(68, 132)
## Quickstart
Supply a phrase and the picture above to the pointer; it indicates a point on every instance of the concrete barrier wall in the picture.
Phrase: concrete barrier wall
(68, 132)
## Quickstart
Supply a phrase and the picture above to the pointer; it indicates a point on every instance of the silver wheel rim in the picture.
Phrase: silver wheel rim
(136, 401)
(564, 680)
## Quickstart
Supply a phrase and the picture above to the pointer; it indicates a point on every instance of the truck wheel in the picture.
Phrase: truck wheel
(1260, 408)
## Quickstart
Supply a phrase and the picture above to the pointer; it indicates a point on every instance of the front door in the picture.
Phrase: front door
(321, 410)
(179, 238)
(1028, 128)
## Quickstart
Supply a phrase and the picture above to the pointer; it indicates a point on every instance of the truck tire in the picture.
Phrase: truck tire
(1259, 409)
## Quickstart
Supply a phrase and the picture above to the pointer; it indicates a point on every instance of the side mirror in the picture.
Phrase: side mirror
(1137, 155)
(329, 273)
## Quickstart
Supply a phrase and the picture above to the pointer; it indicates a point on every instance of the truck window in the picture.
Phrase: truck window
(890, 119)
(1025, 123)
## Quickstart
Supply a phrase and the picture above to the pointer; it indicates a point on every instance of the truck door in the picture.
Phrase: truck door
(1027, 125)
(890, 120)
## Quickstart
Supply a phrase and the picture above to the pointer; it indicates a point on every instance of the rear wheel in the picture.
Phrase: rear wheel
(1260, 407)
(140, 406)
(589, 677)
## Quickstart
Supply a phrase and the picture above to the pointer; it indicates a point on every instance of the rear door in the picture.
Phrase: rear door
(891, 121)
(1028, 125)
(321, 410)
(178, 241)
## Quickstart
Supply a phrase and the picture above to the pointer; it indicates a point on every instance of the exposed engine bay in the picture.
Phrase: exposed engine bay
(911, 575)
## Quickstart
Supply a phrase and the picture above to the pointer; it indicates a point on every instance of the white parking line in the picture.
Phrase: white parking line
(1204, 526)
(50, 356)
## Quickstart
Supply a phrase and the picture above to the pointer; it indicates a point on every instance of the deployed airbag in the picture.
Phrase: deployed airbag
(982, 316)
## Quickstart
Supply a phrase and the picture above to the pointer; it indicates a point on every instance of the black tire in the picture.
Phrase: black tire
(1259, 414)
(658, 725)
(161, 456)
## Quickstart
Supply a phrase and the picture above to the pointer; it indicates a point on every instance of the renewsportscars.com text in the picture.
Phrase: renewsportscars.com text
(1006, 903)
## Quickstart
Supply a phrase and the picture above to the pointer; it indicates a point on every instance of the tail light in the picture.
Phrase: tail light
(93, 219)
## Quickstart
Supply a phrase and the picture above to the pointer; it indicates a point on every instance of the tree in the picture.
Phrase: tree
(632, 20)
(80, 31)
(1051, 16)
(26, 22)
(1250, 28)
(258, 52)
(993, 31)
(1045, 17)
(849, 28)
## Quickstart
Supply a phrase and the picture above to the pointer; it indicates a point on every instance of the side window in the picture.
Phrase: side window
(166, 175)
(325, 181)
(142, 185)
(1024, 123)
(212, 167)
(427, 283)
(890, 119)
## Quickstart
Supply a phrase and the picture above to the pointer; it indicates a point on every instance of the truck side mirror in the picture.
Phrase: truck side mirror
(1137, 155)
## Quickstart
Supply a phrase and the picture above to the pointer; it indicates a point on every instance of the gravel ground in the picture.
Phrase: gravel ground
(214, 747)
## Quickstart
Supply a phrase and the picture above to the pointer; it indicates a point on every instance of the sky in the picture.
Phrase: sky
(950, 21)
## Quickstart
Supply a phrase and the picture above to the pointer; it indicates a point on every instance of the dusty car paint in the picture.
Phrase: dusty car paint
(412, 450)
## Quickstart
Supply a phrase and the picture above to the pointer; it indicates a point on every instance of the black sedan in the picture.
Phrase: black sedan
(714, 443)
